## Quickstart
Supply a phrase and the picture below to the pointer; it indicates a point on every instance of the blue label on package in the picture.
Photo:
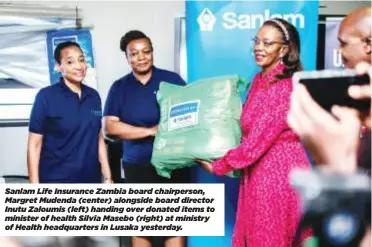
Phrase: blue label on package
(183, 109)
(183, 115)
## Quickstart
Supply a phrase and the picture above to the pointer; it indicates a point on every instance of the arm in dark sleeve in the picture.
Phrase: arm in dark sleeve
(113, 101)
(38, 114)
(178, 80)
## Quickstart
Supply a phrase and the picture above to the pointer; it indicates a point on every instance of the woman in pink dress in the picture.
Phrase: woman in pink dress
(268, 207)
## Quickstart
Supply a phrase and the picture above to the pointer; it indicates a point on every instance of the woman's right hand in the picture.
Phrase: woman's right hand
(205, 165)
(33, 180)
(35, 142)
(108, 181)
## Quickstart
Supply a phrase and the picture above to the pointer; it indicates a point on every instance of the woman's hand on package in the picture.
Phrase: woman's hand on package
(205, 165)
(153, 130)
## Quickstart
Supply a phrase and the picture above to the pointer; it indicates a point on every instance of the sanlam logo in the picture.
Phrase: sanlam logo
(232, 20)
(206, 20)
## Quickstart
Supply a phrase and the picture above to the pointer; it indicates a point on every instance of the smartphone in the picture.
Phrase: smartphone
(330, 87)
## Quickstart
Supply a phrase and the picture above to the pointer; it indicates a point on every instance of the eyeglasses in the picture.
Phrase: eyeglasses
(266, 43)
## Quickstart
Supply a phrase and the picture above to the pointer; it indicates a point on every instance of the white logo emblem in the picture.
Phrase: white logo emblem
(341, 228)
(206, 20)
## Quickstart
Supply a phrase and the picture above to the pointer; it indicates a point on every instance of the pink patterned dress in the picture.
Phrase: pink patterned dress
(268, 208)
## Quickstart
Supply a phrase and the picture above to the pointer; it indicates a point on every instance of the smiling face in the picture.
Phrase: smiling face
(269, 47)
(140, 56)
(72, 66)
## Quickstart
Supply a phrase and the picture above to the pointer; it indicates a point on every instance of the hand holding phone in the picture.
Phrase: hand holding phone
(330, 87)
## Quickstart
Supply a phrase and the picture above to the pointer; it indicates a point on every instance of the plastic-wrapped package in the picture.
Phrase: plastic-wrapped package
(198, 121)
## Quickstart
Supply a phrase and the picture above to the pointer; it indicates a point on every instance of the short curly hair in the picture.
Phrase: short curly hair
(130, 36)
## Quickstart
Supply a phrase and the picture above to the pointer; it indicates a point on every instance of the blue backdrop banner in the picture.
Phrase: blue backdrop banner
(84, 39)
(218, 40)
(332, 58)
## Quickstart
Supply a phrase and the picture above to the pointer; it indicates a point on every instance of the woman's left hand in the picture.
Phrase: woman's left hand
(108, 181)
(205, 165)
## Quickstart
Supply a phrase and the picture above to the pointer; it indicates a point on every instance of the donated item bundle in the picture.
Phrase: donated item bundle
(200, 120)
